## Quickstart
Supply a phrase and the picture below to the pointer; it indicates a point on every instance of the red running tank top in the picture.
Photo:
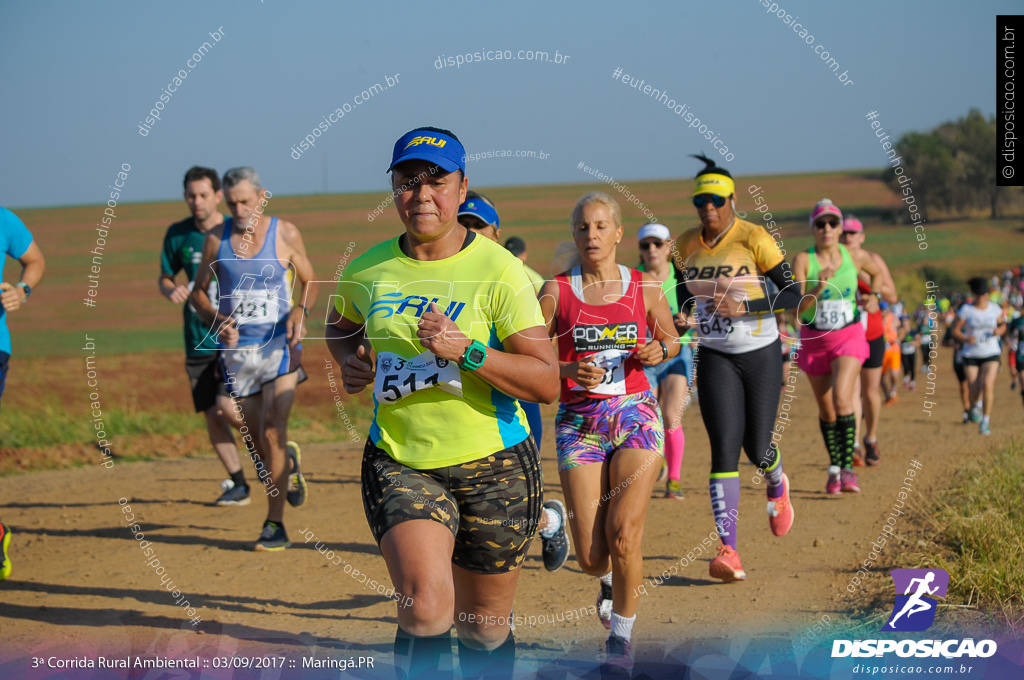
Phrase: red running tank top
(609, 333)
(874, 327)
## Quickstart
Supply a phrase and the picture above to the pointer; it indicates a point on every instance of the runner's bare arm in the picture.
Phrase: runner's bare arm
(207, 270)
(888, 289)
(866, 263)
(346, 341)
(659, 319)
(526, 369)
(33, 265)
(958, 332)
(295, 252)
(800, 265)
(548, 298)
(583, 372)
(171, 290)
(1001, 327)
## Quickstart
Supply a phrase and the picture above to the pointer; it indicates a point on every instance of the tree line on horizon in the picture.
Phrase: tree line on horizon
(954, 168)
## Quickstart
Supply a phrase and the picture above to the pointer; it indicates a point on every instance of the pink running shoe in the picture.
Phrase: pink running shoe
(849, 481)
(833, 487)
(780, 510)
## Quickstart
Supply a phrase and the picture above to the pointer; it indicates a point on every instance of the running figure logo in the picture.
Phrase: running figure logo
(913, 610)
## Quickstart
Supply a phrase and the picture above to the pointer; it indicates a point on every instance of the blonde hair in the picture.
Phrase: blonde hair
(596, 197)
(567, 254)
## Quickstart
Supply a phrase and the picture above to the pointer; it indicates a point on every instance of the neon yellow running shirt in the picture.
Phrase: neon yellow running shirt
(428, 413)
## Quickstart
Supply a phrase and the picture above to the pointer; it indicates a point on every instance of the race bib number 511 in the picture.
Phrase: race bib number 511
(398, 377)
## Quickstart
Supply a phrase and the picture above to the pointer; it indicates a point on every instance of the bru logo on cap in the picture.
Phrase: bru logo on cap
(433, 141)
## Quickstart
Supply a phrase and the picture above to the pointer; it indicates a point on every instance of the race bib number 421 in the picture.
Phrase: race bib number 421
(398, 377)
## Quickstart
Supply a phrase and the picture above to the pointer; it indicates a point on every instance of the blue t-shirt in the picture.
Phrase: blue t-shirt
(15, 238)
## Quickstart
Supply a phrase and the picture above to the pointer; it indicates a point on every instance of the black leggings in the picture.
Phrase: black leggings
(739, 398)
(910, 365)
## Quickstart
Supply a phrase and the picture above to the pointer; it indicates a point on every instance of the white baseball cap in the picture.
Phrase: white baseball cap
(654, 230)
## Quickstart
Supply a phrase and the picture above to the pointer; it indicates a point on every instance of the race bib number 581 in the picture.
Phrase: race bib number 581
(398, 377)
(833, 315)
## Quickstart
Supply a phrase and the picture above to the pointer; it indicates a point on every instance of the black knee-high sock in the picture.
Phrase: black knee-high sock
(846, 439)
(423, 658)
(497, 664)
(828, 433)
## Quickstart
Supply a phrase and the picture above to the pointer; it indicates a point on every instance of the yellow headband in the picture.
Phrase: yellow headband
(720, 185)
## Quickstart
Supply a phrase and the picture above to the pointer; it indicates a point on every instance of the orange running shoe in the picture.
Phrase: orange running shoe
(780, 511)
(727, 565)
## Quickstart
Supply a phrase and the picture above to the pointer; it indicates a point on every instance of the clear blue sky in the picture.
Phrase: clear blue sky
(77, 78)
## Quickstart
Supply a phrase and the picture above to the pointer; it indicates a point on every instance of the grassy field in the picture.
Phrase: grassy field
(975, 531)
(132, 317)
(137, 333)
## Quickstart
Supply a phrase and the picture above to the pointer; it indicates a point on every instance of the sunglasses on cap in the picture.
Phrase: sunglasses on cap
(647, 245)
(474, 222)
(702, 200)
(821, 224)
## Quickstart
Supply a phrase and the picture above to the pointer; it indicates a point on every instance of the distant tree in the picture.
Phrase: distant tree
(973, 182)
(928, 161)
(953, 166)
(945, 278)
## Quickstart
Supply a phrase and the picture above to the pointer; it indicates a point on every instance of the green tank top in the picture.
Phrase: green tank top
(837, 305)
(668, 287)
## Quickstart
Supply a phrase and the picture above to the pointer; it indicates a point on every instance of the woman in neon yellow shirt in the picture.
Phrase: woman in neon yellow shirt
(445, 327)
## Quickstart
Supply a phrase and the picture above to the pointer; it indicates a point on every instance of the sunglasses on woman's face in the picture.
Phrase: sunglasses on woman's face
(832, 224)
(647, 245)
(702, 200)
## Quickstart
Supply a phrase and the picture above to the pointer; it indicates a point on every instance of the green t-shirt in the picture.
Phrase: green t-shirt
(183, 250)
(535, 278)
(670, 288)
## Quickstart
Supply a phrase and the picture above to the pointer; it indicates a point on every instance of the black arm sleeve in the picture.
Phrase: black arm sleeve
(788, 296)
(683, 294)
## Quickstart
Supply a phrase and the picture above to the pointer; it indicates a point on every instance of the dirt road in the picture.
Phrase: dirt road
(81, 586)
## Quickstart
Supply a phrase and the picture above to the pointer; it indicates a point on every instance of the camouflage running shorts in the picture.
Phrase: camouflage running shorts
(491, 505)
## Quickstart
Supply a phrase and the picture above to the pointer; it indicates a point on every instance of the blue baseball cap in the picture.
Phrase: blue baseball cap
(435, 147)
(479, 208)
